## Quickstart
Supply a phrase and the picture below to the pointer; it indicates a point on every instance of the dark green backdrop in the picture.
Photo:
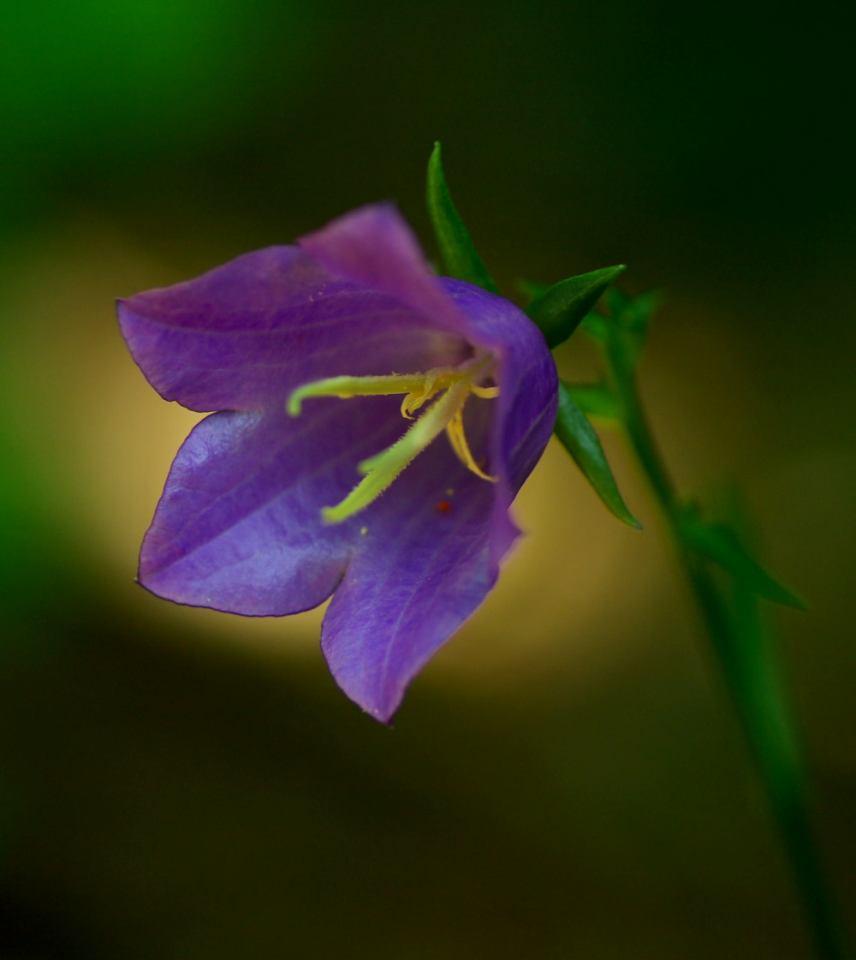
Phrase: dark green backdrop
(566, 780)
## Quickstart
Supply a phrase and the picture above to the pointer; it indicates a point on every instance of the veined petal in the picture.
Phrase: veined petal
(422, 568)
(526, 406)
(430, 556)
(238, 526)
(245, 334)
(374, 245)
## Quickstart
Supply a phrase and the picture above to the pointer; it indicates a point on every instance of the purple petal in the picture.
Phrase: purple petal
(374, 246)
(238, 526)
(245, 334)
(526, 407)
(422, 568)
(421, 571)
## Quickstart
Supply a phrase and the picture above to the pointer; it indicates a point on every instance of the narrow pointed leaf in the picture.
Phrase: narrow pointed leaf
(558, 312)
(459, 255)
(580, 440)
(720, 544)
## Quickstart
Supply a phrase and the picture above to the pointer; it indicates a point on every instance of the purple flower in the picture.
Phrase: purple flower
(314, 354)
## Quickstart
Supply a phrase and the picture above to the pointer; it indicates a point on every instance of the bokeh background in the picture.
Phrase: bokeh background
(566, 778)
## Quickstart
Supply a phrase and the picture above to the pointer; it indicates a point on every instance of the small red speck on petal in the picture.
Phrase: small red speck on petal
(443, 506)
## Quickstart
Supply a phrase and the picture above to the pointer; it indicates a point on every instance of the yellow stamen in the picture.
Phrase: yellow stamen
(418, 398)
(381, 470)
(454, 384)
(486, 393)
(458, 439)
(346, 387)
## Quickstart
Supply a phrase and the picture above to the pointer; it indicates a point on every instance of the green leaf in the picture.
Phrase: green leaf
(719, 543)
(580, 440)
(456, 246)
(596, 400)
(560, 309)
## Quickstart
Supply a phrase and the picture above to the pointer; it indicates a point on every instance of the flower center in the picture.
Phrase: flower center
(451, 386)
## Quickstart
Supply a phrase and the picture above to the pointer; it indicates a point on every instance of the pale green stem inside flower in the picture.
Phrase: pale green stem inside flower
(447, 413)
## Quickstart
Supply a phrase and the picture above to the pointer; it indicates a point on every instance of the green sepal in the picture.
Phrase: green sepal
(720, 544)
(580, 440)
(457, 249)
(559, 310)
(596, 400)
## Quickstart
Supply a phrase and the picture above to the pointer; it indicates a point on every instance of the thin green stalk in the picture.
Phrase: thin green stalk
(755, 686)
(734, 624)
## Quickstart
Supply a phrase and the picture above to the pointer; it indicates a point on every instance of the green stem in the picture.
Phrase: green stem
(756, 689)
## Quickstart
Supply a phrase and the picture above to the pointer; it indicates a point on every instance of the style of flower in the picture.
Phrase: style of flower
(336, 365)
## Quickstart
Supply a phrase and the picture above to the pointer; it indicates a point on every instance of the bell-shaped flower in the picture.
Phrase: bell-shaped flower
(374, 424)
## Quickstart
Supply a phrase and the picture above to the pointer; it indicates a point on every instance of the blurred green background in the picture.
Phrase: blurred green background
(566, 779)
